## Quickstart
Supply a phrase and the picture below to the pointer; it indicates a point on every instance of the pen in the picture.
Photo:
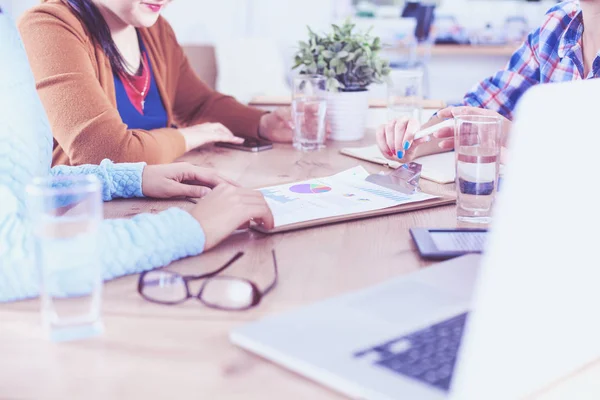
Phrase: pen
(432, 129)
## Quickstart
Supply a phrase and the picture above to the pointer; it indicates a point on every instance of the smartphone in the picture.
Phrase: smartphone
(441, 244)
(250, 144)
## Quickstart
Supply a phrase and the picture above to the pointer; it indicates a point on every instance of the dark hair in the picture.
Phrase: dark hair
(97, 27)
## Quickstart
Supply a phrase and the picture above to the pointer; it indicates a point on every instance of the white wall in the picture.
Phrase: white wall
(476, 14)
(17, 7)
(206, 21)
(283, 23)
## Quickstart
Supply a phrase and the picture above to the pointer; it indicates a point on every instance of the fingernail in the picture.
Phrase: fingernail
(406, 145)
(400, 154)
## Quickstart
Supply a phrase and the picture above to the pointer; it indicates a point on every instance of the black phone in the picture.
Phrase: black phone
(441, 244)
(250, 144)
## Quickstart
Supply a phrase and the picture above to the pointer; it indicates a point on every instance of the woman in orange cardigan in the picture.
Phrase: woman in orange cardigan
(116, 84)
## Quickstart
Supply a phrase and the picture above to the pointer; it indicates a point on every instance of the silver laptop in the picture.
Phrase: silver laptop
(531, 319)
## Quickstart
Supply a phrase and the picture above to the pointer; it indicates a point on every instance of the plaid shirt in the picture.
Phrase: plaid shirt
(552, 53)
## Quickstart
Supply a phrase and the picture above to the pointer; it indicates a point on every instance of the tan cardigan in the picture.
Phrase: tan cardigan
(76, 85)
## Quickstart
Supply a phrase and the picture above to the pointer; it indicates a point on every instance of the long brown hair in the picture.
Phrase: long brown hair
(97, 27)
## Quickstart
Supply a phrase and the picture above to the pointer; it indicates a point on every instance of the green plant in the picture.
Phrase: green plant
(349, 59)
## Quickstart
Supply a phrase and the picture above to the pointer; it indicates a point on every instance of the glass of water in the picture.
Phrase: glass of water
(65, 216)
(405, 94)
(477, 145)
(309, 109)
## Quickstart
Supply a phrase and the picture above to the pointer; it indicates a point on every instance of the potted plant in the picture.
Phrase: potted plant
(350, 61)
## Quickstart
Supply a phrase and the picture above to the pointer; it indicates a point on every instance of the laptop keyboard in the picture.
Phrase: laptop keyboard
(428, 355)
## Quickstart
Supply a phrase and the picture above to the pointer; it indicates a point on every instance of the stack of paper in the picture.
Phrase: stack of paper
(346, 193)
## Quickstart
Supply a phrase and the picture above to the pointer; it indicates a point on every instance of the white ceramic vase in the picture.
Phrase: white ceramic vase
(347, 114)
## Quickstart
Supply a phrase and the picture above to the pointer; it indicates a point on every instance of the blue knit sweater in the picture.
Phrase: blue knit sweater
(127, 246)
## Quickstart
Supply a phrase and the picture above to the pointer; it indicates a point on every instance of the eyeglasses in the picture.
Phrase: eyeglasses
(220, 292)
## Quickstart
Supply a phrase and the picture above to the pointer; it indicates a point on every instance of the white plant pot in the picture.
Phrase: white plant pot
(347, 114)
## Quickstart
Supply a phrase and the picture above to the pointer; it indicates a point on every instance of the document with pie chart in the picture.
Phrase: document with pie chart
(345, 193)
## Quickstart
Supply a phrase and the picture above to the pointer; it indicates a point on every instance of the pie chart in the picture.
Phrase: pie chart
(310, 188)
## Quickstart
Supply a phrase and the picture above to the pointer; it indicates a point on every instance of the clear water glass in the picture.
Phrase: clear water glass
(405, 94)
(65, 217)
(477, 142)
(309, 109)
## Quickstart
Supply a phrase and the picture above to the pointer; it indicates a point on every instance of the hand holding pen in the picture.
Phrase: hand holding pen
(405, 139)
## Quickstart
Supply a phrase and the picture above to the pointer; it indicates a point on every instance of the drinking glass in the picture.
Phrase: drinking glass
(309, 108)
(477, 142)
(65, 216)
(405, 94)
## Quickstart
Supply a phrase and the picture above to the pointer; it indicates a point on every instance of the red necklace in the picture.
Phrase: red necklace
(146, 72)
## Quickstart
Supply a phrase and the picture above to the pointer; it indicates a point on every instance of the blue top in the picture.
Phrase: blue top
(127, 246)
(154, 116)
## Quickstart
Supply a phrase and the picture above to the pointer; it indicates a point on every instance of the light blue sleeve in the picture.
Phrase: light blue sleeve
(148, 241)
(127, 246)
(118, 180)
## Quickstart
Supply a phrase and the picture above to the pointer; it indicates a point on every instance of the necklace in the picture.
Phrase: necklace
(144, 91)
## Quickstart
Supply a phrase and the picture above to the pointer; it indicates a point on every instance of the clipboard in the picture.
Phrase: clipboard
(437, 202)
(405, 180)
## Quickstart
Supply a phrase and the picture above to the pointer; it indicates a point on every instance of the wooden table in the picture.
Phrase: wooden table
(277, 101)
(157, 352)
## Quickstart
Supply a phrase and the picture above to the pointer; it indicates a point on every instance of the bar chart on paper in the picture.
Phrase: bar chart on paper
(276, 195)
(387, 194)
(343, 194)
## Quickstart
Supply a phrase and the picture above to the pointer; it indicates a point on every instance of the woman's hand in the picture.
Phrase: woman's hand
(199, 135)
(396, 139)
(228, 208)
(179, 180)
(277, 126)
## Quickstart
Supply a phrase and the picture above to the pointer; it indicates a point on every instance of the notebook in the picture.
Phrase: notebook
(438, 168)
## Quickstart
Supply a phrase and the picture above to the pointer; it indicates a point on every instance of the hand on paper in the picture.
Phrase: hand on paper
(228, 208)
(179, 180)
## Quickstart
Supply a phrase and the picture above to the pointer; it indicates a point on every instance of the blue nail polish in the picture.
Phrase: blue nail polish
(406, 145)
(400, 154)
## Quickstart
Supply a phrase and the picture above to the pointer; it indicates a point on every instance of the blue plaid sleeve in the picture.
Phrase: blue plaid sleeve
(501, 91)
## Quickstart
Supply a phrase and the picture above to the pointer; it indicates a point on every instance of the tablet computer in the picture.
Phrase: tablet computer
(441, 244)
